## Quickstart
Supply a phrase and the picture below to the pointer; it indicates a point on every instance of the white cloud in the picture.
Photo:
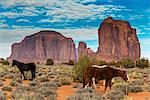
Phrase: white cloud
(16, 14)
(134, 17)
(68, 9)
(49, 20)
(4, 26)
(147, 28)
(23, 20)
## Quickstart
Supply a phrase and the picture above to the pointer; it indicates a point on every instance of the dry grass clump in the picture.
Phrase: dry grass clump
(115, 95)
(135, 88)
(137, 82)
(7, 88)
(2, 97)
(86, 94)
(1, 83)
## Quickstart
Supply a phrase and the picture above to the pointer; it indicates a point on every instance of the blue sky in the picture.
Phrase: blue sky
(78, 19)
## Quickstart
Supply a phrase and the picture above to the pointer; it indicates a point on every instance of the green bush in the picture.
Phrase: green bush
(142, 63)
(50, 62)
(71, 62)
(127, 63)
(94, 61)
(101, 63)
(5, 62)
(7, 88)
(112, 63)
(81, 65)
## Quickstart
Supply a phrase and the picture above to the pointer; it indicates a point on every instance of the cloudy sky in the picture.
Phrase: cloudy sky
(78, 19)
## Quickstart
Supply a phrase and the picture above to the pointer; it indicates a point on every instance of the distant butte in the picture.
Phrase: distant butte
(117, 40)
(43, 45)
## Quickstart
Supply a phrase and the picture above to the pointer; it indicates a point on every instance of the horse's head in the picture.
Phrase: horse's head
(124, 75)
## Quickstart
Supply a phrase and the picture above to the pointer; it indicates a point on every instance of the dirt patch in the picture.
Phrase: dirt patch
(64, 91)
(139, 96)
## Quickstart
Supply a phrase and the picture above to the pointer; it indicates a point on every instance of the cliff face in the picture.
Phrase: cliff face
(43, 45)
(117, 40)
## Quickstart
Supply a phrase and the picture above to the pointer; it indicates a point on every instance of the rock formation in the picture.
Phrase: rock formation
(43, 45)
(117, 40)
(84, 51)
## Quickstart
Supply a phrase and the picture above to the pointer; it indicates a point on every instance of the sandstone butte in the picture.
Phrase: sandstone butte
(117, 40)
(44, 45)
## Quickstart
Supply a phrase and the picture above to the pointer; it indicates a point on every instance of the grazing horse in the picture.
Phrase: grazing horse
(25, 67)
(106, 73)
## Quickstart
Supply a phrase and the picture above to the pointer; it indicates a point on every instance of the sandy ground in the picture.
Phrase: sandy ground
(68, 90)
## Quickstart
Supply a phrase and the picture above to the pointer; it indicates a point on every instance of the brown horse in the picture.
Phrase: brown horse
(106, 73)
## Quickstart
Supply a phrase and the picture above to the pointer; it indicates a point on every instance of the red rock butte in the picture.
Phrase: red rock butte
(44, 45)
(117, 40)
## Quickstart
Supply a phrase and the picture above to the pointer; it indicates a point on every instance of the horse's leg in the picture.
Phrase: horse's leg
(106, 84)
(23, 75)
(110, 84)
(93, 80)
(33, 74)
(86, 81)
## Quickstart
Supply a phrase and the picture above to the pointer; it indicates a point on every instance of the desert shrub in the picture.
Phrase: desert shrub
(146, 88)
(10, 76)
(142, 63)
(137, 82)
(135, 88)
(17, 79)
(24, 95)
(2, 97)
(51, 85)
(115, 95)
(112, 63)
(127, 63)
(76, 86)
(71, 62)
(33, 83)
(13, 83)
(49, 62)
(81, 65)
(86, 96)
(85, 90)
(47, 92)
(38, 96)
(65, 81)
(1, 59)
(101, 63)
(1, 83)
(93, 61)
(5, 62)
(44, 78)
(7, 88)
(135, 74)
(124, 87)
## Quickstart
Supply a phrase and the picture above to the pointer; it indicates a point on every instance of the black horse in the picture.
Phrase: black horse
(25, 67)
